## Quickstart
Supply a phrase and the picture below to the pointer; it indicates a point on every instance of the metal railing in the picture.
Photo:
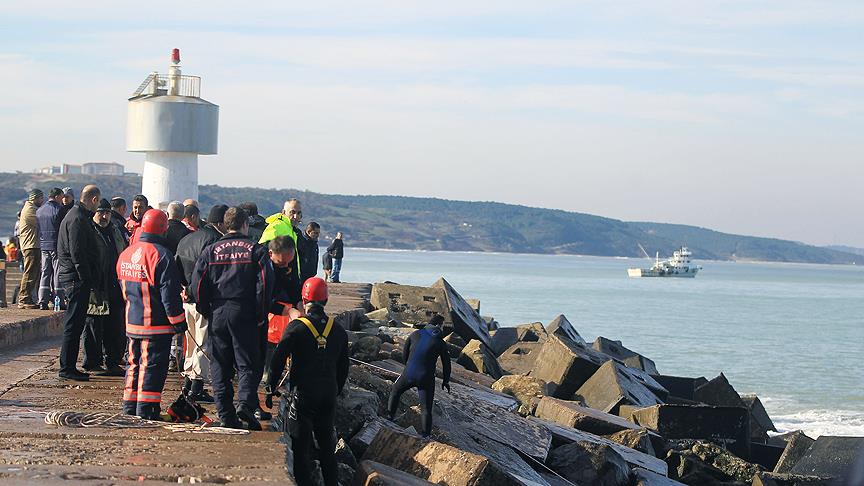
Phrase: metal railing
(165, 84)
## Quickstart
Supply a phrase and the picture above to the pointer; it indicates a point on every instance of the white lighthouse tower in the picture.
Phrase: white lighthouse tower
(170, 122)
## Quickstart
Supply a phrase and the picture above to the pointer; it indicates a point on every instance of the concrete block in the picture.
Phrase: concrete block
(354, 407)
(479, 358)
(760, 422)
(474, 304)
(466, 321)
(641, 440)
(561, 327)
(361, 440)
(572, 414)
(725, 424)
(434, 461)
(630, 358)
(30, 328)
(829, 457)
(531, 332)
(613, 385)
(565, 435)
(352, 320)
(366, 348)
(506, 337)
(644, 477)
(587, 462)
(766, 455)
(718, 392)
(679, 386)
(797, 445)
(519, 358)
(566, 364)
(774, 479)
(528, 390)
(717, 457)
(689, 469)
(409, 303)
(371, 473)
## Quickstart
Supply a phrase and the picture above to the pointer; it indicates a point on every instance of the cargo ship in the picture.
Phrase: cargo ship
(678, 265)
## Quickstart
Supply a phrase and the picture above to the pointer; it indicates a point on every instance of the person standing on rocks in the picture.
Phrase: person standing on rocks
(337, 251)
(319, 368)
(28, 237)
(48, 226)
(422, 350)
(77, 274)
(154, 313)
(232, 285)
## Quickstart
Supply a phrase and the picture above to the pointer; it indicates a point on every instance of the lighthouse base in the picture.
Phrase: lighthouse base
(170, 176)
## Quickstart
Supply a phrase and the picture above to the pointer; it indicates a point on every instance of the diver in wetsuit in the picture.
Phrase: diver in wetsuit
(422, 350)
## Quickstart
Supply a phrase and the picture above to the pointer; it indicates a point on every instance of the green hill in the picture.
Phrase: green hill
(397, 222)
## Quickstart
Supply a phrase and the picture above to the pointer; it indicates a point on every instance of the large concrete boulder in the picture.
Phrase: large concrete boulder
(680, 387)
(371, 473)
(630, 358)
(528, 390)
(685, 467)
(466, 321)
(506, 337)
(519, 358)
(644, 477)
(586, 462)
(635, 439)
(766, 455)
(477, 357)
(719, 458)
(410, 304)
(434, 461)
(352, 320)
(354, 407)
(366, 348)
(774, 479)
(361, 440)
(566, 364)
(797, 445)
(830, 457)
(572, 414)
(566, 435)
(760, 422)
(729, 424)
(613, 385)
(562, 327)
(718, 392)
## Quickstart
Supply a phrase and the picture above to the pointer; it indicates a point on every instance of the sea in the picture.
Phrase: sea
(793, 334)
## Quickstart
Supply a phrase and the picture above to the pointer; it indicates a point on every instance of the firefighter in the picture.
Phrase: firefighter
(154, 313)
(318, 349)
(232, 286)
(422, 350)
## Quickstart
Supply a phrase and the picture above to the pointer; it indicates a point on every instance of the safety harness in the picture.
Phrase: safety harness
(321, 338)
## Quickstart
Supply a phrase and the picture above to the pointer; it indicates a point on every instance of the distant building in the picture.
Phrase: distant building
(49, 170)
(103, 168)
(71, 169)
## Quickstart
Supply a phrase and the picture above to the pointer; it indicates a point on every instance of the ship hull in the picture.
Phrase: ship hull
(647, 272)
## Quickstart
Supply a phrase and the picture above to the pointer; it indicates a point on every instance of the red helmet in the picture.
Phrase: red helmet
(314, 290)
(154, 221)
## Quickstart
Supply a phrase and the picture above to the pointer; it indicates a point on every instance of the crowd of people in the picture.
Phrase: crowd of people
(224, 300)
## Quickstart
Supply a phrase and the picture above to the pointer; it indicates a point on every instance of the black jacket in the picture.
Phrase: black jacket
(109, 244)
(190, 248)
(308, 256)
(64, 210)
(118, 220)
(176, 231)
(256, 227)
(286, 289)
(422, 349)
(337, 249)
(311, 367)
(234, 269)
(76, 248)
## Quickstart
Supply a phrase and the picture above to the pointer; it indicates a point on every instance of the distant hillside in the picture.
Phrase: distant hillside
(846, 249)
(436, 224)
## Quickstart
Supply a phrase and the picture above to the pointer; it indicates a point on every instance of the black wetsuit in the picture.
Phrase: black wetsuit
(317, 376)
(422, 350)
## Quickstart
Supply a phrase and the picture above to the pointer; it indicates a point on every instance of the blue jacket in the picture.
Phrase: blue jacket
(49, 223)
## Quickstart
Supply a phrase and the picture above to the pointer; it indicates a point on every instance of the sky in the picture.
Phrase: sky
(740, 116)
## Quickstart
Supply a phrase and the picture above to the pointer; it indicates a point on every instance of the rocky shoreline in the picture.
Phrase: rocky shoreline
(536, 404)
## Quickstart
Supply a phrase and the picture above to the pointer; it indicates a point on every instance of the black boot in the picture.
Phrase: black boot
(187, 385)
(198, 394)
(248, 419)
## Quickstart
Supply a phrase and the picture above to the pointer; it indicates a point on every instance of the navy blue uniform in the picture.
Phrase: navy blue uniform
(317, 376)
(232, 286)
(422, 349)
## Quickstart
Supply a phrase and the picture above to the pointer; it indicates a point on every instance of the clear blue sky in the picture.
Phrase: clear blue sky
(742, 116)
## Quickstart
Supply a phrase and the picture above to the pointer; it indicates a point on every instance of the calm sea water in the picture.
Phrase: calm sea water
(791, 333)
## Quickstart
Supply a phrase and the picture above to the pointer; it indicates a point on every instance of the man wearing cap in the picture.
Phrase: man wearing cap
(77, 274)
(28, 237)
(49, 223)
(196, 366)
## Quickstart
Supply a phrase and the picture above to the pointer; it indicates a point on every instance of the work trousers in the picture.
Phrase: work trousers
(29, 276)
(73, 325)
(196, 366)
(235, 341)
(337, 269)
(105, 337)
(426, 390)
(316, 410)
(145, 376)
(48, 286)
(3, 302)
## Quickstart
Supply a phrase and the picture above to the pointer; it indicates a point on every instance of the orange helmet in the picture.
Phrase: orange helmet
(154, 221)
(314, 290)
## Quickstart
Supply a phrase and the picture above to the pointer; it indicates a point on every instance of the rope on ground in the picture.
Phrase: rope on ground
(64, 418)
(377, 368)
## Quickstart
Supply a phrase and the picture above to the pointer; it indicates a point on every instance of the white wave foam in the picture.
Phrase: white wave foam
(822, 422)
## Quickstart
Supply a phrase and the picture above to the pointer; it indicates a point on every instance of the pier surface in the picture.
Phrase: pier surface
(32, 452)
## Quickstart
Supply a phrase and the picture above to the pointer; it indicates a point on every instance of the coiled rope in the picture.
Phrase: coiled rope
(63, 418)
